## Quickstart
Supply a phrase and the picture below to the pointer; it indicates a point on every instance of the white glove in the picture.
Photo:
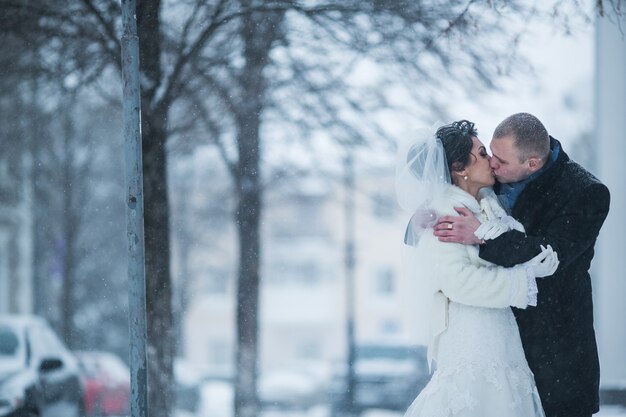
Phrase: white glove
(490, 229)
(544, 264)
(494, 228)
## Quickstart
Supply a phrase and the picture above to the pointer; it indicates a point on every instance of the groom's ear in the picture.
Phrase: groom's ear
(534, 164)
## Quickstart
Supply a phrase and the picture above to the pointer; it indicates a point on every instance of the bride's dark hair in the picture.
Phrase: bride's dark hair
(457, 143)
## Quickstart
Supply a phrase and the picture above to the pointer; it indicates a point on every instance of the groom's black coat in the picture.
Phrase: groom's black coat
(564, 207)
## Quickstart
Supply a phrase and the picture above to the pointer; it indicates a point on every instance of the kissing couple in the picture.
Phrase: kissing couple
(503, 245)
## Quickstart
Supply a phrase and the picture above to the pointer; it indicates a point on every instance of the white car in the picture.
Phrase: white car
(38, 375)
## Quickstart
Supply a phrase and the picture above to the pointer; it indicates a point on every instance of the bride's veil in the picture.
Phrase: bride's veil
(422, 175)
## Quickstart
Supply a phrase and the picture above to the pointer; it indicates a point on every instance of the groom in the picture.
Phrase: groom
(560, 204)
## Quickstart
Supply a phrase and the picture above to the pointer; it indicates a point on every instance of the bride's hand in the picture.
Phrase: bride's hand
(544, 264)
(458, 229)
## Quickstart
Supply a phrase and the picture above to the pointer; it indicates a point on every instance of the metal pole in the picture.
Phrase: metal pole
(350, 287)
(134, 211)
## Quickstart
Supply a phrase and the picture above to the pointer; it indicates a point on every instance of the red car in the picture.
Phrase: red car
(107, 383)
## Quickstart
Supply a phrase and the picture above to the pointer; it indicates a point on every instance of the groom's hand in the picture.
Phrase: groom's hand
(458, 229)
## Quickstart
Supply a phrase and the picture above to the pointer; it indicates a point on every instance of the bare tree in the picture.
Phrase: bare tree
(73, 176)
(617, 6)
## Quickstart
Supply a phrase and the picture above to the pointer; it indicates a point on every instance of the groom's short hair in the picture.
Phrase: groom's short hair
(529, 135)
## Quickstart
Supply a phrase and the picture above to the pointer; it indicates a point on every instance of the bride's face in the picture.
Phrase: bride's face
(478, 171)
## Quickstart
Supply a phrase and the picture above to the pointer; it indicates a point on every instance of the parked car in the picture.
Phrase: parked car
(387, 376)
(39, 377)
(107, 383)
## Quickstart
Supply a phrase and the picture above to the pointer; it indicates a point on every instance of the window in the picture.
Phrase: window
(219, 352)
(216, 281)
(384, 282)
(13, 350)
(389, 326)
(383, 206)
(5, 292)
(309, 349)
(301, 217)
(304, 273)
(9, 342)
(5, 177)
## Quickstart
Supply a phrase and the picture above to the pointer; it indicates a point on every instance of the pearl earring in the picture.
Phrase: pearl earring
(465, 178)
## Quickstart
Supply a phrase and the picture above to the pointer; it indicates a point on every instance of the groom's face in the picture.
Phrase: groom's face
(505, 161)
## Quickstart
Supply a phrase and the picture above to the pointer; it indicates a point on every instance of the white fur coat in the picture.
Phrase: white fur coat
(454, 272)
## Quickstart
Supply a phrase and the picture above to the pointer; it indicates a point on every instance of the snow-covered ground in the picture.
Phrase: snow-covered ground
(217, 400)
(607, 411)
(612, 411)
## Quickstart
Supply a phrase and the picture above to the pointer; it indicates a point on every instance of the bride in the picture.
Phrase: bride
(481, 369)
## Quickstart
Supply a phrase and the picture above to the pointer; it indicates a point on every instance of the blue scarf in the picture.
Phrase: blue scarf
(508, 193)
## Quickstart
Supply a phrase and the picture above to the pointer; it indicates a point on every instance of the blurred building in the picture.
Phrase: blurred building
(303, 290)
(610, 263)
(15, 218)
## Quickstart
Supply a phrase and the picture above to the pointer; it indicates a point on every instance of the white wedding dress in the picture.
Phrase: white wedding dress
(481, 368)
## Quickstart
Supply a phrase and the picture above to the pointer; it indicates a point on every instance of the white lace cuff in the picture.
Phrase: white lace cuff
(514, 289)
(532, 288)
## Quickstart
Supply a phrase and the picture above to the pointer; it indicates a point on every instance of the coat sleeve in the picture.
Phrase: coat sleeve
(571, 232)
(465, 281)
